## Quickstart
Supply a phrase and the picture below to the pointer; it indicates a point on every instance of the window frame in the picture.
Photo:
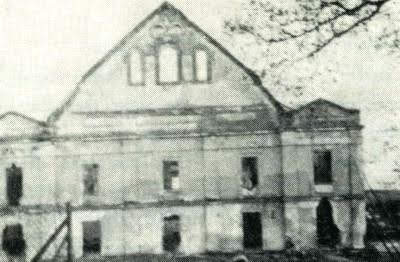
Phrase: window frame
(257, 173)
(317, 180)
(142, 69)
(86, 167)
(164, 169)
(179, 64)
(14, 178)
(209, 65)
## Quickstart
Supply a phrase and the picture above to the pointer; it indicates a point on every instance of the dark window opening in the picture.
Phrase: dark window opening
(171, 175)
(13, 240)
(252, 230)
(327, 231)
(14, 185)
(249, 173)
(90, 179)
(322, 167)
(91, 237)
(171, 234)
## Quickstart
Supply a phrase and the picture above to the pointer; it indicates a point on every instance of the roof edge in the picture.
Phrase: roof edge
(31, 119)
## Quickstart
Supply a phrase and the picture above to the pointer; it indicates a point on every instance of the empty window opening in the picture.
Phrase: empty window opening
(90, 179)
(14, 185)
(252, 230)
(171, 175)
(201, 65)
(249, 173)
(327, 231)
(172, 233)
(322, 167)
(168, 64)
(13, 240)
(91, 237)
(135, 68)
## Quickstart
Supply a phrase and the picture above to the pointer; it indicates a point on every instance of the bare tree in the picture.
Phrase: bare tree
(312, 25)
(285, 36)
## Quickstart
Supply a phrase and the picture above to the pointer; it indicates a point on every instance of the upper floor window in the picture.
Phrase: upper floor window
(171, 175)
(249, 173)
(322, 167)
(202, 70)
(168, 64)
(14, 185)
(90, 179)
(135, 68)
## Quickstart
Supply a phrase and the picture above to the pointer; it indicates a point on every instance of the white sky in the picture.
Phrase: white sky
(47, 45)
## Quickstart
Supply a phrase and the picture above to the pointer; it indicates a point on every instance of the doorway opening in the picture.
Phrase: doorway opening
(252, 230)
(172, 233)
(13, 240)
(327, 231)
(91, 237)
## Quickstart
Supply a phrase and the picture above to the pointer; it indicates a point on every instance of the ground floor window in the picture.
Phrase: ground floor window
(91, 237)
(252, 230)
(13, 240)
(172, 233)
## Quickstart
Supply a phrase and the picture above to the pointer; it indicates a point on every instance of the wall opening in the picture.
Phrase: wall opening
(168, 64)
(252, 231)
(171, 175)
(249, 173)
(201, 65)
(135, 68)
(172, 233)
(90, 179)
(322, 167)
(327, 231)
(14, 185)
(13, 240)
(91, 237)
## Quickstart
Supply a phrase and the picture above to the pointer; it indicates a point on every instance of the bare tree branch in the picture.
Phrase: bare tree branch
(311, 24)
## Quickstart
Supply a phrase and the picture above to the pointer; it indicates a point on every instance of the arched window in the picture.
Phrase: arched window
(168, 64)
(135, 68)
(202, 70)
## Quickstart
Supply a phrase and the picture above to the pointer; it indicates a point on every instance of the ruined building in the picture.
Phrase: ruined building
(170, 144)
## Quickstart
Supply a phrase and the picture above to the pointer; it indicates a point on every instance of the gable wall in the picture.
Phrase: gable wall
(107, 88)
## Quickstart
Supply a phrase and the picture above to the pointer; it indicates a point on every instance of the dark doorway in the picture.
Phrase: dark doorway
(171, 234)
(13, 240)
(327, 231)
(252, 230)
(14, 185)
(91, 237)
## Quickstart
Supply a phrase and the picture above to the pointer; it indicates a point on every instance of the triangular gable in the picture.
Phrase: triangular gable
(13, 124)
(255, 78)
(321, 103)
(324, 113)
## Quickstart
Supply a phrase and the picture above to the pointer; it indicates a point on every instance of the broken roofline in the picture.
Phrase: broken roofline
(13, 113)
(321, 101)
(166, 5)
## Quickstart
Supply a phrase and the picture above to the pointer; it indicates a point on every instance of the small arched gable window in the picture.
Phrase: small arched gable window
(202, 70)
(135, 68)
(168, 64)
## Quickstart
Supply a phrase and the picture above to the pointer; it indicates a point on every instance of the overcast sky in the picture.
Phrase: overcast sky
(47, 45)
